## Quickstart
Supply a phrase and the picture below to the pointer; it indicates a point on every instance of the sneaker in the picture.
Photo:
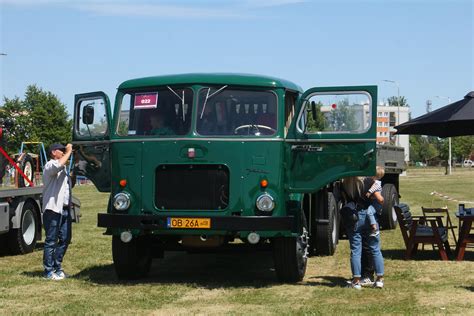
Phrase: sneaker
(375, 233)
(61, 275)
(378, 284)
(52, 276)
(354, 285)
(366, 282)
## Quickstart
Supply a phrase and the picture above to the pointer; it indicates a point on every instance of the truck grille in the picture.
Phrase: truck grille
(192, 187)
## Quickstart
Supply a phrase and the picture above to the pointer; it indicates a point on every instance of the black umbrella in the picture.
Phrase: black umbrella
(455, 119)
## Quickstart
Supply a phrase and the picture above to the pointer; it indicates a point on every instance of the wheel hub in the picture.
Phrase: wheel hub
(28, 227)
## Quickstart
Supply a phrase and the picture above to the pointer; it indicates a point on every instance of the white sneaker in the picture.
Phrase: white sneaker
(353, 285)
(375, 233)
(52, 276)
(60, 274)
(378, 284)
(366, 282)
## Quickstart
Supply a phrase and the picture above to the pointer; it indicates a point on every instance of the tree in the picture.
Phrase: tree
(342, 117)
(316, 123)
(393, 101)
(423, 148)
(41, 116)
(462, 147)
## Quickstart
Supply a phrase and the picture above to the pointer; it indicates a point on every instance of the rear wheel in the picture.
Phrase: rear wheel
(132, 260)
(23, 239)
(290, 255)
(388, 219)
(325, 231)
(26, 165)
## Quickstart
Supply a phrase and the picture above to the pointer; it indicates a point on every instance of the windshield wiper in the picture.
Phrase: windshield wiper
(208, 97)
(181, 98)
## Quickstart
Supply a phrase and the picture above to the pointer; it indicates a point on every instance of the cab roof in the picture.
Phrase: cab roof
(211, 79)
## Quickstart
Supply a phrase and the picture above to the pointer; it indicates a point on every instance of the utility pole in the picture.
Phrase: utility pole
(449, 138)
(398, 105)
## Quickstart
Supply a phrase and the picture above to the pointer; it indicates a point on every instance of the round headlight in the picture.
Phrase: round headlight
(121, 201)
(265, 203)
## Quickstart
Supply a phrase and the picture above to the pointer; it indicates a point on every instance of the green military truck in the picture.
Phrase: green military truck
(207, 161)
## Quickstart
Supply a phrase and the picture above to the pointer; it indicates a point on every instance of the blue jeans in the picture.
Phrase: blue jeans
(58, 235)
(361, 231)
(371, 215)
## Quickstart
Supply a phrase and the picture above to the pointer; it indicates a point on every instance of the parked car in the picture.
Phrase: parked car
(468, 163)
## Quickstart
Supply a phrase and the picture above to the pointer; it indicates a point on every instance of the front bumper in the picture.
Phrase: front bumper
(221, 223)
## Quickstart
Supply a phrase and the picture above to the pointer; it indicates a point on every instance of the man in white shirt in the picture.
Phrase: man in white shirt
(56, 210)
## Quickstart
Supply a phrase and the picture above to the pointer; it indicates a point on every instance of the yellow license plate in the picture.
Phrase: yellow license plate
(185, 223)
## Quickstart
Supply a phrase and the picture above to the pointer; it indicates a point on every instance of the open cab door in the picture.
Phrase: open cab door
(332, 136)
(91, 138)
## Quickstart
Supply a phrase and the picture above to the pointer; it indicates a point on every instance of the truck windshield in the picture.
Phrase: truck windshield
(156, 112)
(229, 111)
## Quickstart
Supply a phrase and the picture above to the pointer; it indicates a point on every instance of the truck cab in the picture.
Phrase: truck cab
(197, 161)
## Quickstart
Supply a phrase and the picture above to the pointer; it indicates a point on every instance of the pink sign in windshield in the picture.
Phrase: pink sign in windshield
(146, 100)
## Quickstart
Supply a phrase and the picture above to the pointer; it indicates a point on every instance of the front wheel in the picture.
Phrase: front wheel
(132, 260)
(290, 255)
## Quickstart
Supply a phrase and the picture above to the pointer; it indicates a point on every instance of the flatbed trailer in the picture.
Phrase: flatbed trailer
(20, 219)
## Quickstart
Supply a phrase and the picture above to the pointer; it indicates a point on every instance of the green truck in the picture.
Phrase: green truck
(210, 161)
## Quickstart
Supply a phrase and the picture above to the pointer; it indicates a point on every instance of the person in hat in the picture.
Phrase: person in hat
(57, 201)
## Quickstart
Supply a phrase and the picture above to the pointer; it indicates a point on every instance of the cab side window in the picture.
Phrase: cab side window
(92, 119)
(347, 112)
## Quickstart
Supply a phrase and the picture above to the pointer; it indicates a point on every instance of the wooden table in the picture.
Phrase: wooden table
(465, 236)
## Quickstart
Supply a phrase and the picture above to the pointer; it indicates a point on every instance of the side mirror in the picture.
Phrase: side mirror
(88, 115)
(313, 110)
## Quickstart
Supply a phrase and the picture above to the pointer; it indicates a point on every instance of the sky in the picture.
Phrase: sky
(70, 47)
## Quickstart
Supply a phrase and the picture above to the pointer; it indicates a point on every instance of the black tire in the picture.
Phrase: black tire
(388, 219)
(132, 260)
(27, 167)
(325, 236)
(22, 240)
(4, 244)
(290, 255)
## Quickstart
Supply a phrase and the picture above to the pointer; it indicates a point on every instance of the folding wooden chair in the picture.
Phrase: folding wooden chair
(422, 230)
(428, 211)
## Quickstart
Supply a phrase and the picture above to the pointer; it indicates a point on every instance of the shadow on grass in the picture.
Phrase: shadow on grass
(204, 270)
(328, 281)
(33, 274)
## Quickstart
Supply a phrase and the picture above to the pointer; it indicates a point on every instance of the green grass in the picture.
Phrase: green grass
(245, 283)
